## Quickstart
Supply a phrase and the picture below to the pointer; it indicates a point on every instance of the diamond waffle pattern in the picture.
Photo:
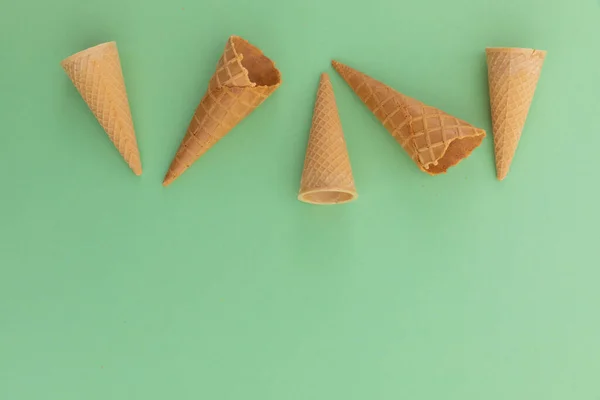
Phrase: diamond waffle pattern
(513, 75)
(97, 75)
(327, 165)
(231, 96)
(423, 131)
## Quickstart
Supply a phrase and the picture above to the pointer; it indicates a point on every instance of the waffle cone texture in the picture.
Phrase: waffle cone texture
(97, 75)
(243, 79)
(513, 75)
(327, 175)
(434, 139)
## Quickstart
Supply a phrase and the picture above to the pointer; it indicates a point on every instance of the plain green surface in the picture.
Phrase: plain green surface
(223, 285)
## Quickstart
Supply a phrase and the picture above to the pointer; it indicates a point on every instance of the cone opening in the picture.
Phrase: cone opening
(96, 49)
(261, 70)
(456, 151)
(514, 50)
(327, 196)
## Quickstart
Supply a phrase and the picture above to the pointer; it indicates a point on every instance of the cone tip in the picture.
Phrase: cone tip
(341, 69)
(134, 163)
(501, 172)
(170, 176)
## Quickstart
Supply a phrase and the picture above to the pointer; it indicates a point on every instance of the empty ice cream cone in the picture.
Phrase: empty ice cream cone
(513, 75)
(434, 140)
(244, 78)
(96, 73)
(327, 176)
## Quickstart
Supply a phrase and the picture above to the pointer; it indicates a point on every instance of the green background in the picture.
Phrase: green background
(223, 285)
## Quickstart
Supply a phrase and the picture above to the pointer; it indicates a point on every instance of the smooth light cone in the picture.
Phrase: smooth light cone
(244, 78)
(327, 176)
(434, 140)
(513, 75)
(97, 75)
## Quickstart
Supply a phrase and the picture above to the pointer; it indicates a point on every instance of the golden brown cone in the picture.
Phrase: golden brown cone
(513, 75)
(327, 176)
(434, 140)
(244, 78)
(97, 75)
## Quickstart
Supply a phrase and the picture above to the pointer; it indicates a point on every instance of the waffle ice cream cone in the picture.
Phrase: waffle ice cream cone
(244, 78)
(327, 176)
(434, 140)
(513, 75)
(96, 73)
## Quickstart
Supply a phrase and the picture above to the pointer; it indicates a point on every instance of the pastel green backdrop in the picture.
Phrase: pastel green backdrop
(223, 285)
